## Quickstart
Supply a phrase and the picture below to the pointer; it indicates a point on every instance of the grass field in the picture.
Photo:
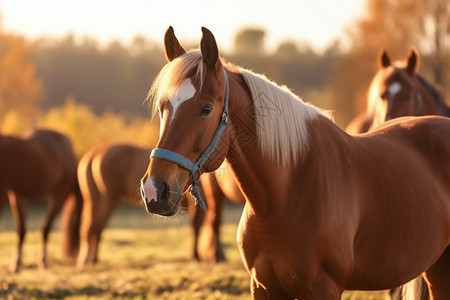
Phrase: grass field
(141, 257)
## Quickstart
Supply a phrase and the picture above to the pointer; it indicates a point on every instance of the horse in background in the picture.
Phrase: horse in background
(325, 211)
(111, 172)
(42, 164)
(397, 90)
(216, 186)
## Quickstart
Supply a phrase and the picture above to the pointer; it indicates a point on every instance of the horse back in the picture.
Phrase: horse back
(41, 162)
(117, 168)
(429, 136)
(402, 181)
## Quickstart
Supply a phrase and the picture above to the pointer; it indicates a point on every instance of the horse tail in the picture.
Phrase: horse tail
(70, 222)
(416, 289)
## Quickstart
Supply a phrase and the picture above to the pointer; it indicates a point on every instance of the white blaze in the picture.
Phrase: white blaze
(149, 190)
(185, 92)
(394, 88)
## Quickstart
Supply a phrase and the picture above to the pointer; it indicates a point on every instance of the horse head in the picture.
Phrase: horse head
(189, 96)
(394, 91)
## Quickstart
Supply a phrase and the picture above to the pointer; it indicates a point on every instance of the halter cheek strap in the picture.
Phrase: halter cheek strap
(194, 167)
(418, 104)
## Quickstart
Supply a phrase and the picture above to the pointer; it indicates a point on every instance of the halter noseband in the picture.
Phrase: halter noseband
(194, 167)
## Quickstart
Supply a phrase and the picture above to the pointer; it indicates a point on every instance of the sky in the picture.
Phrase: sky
(317, 22)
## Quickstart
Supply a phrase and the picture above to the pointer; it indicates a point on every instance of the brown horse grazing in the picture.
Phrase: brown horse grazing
(325, 211)
(111, 172)
(396, 91)
(42, 164)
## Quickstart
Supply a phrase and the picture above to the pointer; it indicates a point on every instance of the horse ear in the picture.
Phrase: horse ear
(383, 59)
(413, 61)
(209, 49)
(172, 46)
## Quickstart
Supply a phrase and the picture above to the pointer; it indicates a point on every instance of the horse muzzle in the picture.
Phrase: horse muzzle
(160, 198)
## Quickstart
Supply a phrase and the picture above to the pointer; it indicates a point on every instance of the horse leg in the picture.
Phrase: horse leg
(19, 211)
(91, 205)
(96, 213)
(438, 277)
(55, 204)
(257, 291)
(210, 245)
(108, 204)
(3, 200)
(415, 289)
(196, 217)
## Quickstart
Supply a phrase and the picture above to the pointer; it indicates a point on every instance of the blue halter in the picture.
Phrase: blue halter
(192, 167)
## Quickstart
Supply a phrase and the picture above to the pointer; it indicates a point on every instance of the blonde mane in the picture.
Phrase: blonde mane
(281, 117)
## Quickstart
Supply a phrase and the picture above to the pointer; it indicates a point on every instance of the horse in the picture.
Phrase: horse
(398, 90)
(110, 172)
(41, 164)
(325, 211)
(360, 124)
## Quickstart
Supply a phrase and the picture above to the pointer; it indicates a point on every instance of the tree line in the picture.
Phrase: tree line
(36, 76)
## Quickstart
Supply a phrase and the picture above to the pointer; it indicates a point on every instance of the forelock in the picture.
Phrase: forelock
(172, 75)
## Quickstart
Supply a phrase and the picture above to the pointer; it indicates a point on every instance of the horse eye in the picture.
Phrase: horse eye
(205, 111)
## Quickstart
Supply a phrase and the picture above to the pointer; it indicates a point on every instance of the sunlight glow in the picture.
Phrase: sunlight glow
(317, 22)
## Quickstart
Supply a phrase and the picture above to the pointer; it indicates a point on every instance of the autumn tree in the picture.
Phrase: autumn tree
(249, 41)
(395, 25)
(20, 89)
(115, 77)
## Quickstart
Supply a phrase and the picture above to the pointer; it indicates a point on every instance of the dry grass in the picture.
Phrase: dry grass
(140, 258)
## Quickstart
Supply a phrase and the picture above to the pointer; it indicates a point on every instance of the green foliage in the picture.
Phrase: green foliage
(15, 122)
(86, 129)
(20, 90)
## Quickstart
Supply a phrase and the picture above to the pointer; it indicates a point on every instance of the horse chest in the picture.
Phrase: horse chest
(276, 261)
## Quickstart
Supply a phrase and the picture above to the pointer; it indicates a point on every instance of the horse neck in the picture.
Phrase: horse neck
(432, 101)
(261, 179)
(251, 169)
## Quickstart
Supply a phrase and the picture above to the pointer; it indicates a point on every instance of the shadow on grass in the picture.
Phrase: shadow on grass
(12, 291)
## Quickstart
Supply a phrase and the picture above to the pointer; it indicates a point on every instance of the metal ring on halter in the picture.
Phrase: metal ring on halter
(196, 172)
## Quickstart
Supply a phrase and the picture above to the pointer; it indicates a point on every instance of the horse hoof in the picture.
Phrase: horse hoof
(14, 268)
(42, 265)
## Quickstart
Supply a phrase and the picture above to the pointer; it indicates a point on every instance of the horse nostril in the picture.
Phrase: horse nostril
(164, 192)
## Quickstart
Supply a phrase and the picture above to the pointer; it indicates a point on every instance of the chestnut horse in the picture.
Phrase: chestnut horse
(396, 91)
(42, 164)
(111, 172)
(325, 211)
